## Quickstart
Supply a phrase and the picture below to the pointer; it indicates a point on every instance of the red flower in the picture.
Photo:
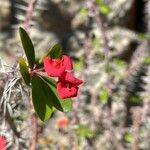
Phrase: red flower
(68, 77)
(62, 122)
(55, 67)
(2, 143)
(67, 85)
(66, 89)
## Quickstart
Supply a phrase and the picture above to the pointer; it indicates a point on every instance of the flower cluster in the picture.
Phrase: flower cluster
(2, 143)
(67, 85)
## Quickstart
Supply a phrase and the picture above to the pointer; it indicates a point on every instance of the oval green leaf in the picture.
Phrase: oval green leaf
(41, 100)
(28, 47)
(51, 92)
(24, 71)
(62, 105)
(55, 51)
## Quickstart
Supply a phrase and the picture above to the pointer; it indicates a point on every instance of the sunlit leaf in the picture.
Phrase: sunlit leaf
(128, 137)
(147, 60)
(24, 71)
(83, 12)
(79, 63)
(28, 47)
(104, 9)
(84, 131)
(99, 2)
(104, 95)
(119, 63)
(66, 104)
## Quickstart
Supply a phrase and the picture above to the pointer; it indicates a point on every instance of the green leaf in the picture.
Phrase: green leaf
(41, 99)
(104, 95)
(99, 2)
(79, 64)
(135, 99)
(51, 92)
(83, 12)
(66, 104)
(84, 131)
(104, 9)
(55, 51)
(49, 80)
(28, 47)
(62, 105)
(24, 71)
(147, 60)
(119, 63)
(128, 137)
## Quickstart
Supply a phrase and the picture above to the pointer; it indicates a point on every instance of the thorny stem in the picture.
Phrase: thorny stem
(36, 70)
(29, 14)
(34, 132)
(136, 128)
(101, 28)
(26, 24)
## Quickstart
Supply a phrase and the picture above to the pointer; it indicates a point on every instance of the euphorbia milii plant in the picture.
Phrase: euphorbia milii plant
(67, 85)
(51, 80)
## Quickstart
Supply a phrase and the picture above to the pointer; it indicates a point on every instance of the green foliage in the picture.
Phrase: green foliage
(50, 89)
(41, 98)
(147, 60)
(24, 71)
(119, 63)
(143, 36)
(79, 64)
(83, 12)
(66, 104)
(44, 95)
(103, 8)
(62, 105)
(55, 51)
(84, 131)
(96, 42)
(135, 99)
(104, 95)
(128, 137)
(28, 47)
(98, 2)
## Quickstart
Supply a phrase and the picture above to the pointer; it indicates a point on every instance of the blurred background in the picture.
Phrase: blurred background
(109, 42)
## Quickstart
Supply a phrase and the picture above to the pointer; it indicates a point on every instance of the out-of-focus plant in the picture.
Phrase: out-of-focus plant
(83, 131)
(103, 7)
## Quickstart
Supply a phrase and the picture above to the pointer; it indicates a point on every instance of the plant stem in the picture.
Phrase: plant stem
(34, 133)
(29, 14)
(36, 70)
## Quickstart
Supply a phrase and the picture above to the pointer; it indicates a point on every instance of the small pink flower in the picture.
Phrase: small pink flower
(66, 89)
(55, 67)
(2, 143)
(63, 122)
